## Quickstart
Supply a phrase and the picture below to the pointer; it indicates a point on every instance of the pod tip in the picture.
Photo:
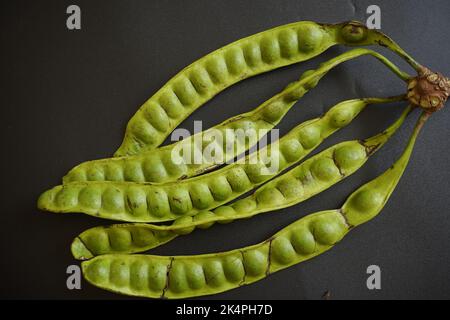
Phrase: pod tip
(79, 250)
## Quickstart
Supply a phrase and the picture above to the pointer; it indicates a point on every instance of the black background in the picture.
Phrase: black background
(66, 97)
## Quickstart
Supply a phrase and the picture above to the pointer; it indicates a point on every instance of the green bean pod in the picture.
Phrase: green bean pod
(258, 53)
(296, 185)
(167, 164)
(148, 203)
(197, 275)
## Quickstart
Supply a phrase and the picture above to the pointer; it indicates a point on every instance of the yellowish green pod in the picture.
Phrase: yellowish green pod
(258, 53)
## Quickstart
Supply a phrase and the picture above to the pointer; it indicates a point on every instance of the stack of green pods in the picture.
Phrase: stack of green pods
(147, 185)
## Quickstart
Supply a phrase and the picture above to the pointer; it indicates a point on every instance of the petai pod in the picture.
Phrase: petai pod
(296, 185)
(168, 163)
(162, 202)
(258, 53)
(197, 275)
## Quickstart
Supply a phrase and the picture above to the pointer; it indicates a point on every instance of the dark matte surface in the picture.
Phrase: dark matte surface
(67, 95)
